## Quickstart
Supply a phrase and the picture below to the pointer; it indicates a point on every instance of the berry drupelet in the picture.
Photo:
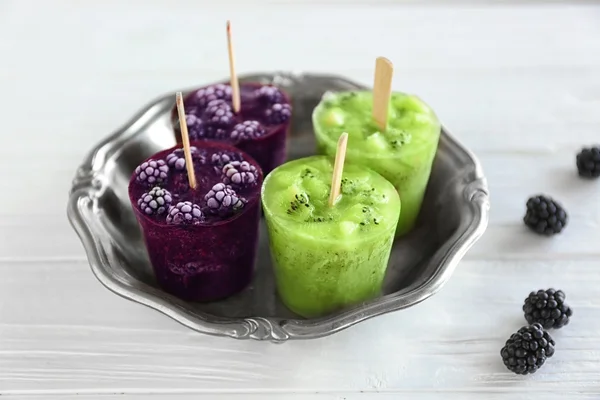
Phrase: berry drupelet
(588, 162)
(527, 349)
(545, 216)
(155, 202)
(548, 308)
(152, 172)
(185, 212)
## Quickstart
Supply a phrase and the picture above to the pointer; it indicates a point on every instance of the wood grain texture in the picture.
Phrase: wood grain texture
(450, 342)
(520, 85)
(412, 395)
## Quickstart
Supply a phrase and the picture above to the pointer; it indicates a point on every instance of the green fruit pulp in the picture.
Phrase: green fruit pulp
(403, 153)
(326, 258)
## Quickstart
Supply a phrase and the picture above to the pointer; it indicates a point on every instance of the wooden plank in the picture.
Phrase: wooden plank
(412, 395)
(63, 332)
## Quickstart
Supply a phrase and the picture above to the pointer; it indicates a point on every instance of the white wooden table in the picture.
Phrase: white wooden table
(520, 85)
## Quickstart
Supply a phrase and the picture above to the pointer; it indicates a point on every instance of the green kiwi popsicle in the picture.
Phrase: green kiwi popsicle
(403, 152)
(328, 257)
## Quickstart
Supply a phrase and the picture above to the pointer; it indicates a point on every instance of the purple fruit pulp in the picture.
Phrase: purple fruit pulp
(269, 150)
(215, 258)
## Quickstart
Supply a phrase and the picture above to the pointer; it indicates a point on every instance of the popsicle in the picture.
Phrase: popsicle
(201, 241)
(259, 128)
(329, 252)
(399, 142)
(252, 116)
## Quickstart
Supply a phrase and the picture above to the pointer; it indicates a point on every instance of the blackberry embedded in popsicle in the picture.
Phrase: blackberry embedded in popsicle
(176, 159)
(219, 113)
(269, 95)
(238, 174)
(223, 200)
(156, 201)
(247, 130)
(278, 113)
(185, 212)
(219, 159)
(205, 95)
(215, 132)
(152, 172)
(196, 128)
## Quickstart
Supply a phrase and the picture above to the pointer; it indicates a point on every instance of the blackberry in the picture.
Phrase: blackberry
(215, 132)
(152, 172)
(220, 159)
(527, 349)
(195, 126)
(548, 308)
(278, 113)
(247, 130)
(269, 95)
(176, 159)
(155, 202)
(185, 212)
(223, 200)
(215, 92)
(218, 113)
(191, 110)
(588, 162)
(545, 216)
(239, 174)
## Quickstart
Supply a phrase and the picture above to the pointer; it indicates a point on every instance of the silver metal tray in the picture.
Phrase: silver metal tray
(454, 216)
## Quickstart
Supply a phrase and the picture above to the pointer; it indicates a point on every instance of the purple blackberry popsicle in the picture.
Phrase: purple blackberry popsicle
(201, 242)
(259, 128)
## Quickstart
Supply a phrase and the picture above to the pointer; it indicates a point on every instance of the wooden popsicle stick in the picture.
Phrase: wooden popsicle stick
(338, 168)
(235, 85)
(382, 91)
(186, 141)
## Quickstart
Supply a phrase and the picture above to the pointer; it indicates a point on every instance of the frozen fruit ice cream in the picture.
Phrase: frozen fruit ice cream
(259, 128)
(201, 242)
(328, 258)
(403, 152)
